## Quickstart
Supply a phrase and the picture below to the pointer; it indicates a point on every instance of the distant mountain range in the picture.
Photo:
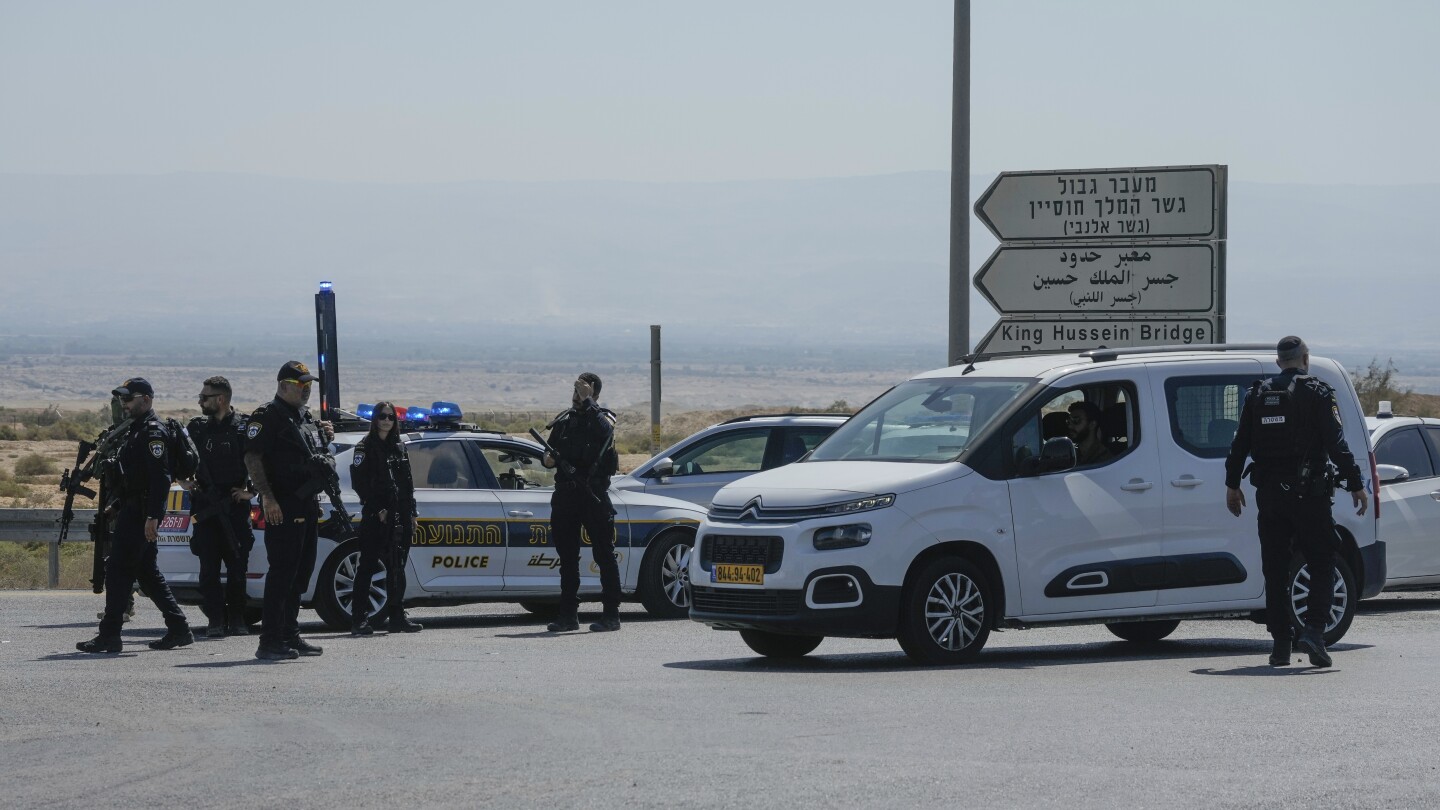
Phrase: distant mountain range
(226, 259)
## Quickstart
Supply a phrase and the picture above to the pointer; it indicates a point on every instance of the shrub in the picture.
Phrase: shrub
(35, 464)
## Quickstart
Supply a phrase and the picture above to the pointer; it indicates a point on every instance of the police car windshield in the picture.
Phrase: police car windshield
(928, 420)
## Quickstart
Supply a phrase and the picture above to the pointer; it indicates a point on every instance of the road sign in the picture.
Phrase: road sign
(1169, 202)
(1013, 336)
(1102, 278)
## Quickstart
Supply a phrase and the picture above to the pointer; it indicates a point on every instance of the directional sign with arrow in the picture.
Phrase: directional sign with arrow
(1101, 278)
(1169, 202)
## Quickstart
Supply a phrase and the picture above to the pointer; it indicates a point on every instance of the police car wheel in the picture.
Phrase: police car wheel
(944, 612)
(665, 575)
(776, 645)
(337, 583)
(1342, 607)
(1143, 632)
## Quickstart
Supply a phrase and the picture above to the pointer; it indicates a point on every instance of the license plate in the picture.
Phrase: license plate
(174, 524)
(738, 574)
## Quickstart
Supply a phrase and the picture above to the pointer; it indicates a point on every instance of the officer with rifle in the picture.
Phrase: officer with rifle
(285, 453)
(1290, 425)
(582, 448)
(139, 483)
(94, 461)
(220, 509)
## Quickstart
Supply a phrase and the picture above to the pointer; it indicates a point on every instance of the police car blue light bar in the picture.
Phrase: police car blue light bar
(365, 411)
(445, 412)
(419, 416)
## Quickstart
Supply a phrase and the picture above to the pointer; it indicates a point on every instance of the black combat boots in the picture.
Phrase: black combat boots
(1280, 653)
(607, 624)
(100, 644)
(173, 639)
(1312, 642)
(564, 624)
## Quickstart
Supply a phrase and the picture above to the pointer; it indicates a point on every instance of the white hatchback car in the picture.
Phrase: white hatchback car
(1407, 456)
(950, 506)
(483, 535)
(696, 467)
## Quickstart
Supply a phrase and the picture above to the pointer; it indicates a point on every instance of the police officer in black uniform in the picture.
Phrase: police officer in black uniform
(220, 508)
(584, 437)
(141, 479)
(281, 442)
(1290, 424)
(380, 475)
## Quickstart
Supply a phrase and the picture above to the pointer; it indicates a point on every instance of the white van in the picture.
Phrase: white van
(955, 504)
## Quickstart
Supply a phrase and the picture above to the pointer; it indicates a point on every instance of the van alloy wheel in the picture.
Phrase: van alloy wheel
(955, 612)
(1342, 606)
(944, 612)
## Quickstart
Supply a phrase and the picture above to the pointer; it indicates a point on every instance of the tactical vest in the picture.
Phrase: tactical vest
(1276, 430)
(222, 451)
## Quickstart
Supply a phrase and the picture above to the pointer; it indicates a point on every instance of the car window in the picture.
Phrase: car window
(797, 441)
(1205, 411)
(1434, 434)
(439, 465)
(739, 451)
(1100, 418)
(516, 469)
(1405, 448)
(929, 420)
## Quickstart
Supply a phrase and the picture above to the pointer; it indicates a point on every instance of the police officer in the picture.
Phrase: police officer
(140, 479)
(584, 438)
(220, 509)
(280, 443)
(380, 475)
(1290, 424)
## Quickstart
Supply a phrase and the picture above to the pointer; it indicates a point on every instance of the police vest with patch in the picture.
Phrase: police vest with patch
(183, 457)
(1276, 431)
(222, 448)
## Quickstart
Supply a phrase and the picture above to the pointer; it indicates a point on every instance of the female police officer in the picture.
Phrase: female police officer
(380, 475)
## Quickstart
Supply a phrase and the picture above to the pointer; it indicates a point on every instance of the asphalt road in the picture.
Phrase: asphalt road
(484, 709)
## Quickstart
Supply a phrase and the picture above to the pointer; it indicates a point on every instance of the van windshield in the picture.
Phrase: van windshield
(929, 420)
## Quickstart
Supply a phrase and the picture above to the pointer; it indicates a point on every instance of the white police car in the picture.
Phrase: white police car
(955, 504)
(483, 535)
(1407, 456)
(696, 467)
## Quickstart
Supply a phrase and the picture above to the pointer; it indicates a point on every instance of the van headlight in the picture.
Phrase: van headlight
(860, 505)
(855, 534)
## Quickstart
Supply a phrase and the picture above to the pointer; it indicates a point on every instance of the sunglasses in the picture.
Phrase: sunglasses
(297, 382)
(130, 397)
(384, 417)
(204, 397)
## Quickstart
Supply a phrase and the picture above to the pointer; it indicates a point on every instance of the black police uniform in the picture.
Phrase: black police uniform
(224, 535)
(380, 475)
(582, 437)
(1290, 446)
(141, 479)
(286, 438)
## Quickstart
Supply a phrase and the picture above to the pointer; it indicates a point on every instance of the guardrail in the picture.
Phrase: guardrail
(43, 526)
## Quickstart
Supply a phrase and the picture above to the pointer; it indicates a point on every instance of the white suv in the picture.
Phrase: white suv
(955, 504)
(1407, 455)
(696, 467)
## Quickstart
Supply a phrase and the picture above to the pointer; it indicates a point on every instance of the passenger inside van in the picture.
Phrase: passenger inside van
(1090, 447)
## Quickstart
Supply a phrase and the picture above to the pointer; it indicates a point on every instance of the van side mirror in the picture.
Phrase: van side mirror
(1057, 454)
(1391, 473)
(664, 468)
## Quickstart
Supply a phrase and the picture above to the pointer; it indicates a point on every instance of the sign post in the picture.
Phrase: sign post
(1103, 258)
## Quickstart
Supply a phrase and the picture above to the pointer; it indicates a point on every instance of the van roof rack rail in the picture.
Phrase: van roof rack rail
(773, 415)
(1105, 355)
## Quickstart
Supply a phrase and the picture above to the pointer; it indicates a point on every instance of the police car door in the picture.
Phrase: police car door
(1086, 536)
(1410, 515)
(1213, 556)
(459, 542)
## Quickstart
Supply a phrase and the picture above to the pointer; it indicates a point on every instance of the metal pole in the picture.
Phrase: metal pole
(654, 388)
(54, 563)
(960, 188)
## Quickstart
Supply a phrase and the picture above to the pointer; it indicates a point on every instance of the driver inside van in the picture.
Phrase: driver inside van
(1090, 447)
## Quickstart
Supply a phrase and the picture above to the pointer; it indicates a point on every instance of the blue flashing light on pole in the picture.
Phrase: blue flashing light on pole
(325, 285)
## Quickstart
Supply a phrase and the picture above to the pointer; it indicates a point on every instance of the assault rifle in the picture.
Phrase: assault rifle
(92, 460)
(216, 505)
(568, 468)
(321, 469)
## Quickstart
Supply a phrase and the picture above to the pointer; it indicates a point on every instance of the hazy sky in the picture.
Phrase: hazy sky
(1282, 91)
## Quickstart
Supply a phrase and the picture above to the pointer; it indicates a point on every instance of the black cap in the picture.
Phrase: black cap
(295, 370)
(134, 385)
(1290, 347)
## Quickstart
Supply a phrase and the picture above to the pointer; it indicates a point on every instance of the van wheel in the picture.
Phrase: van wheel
(776, 645)
(336, 585)
(1342, 607)
(1143, 632)
(943, 614)
(664, 584)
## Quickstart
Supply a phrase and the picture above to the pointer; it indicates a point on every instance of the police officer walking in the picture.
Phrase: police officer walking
(282, 443)
(141, 478)
(584, 438)
(380, 475)
(1290, 424)
(220, 509)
